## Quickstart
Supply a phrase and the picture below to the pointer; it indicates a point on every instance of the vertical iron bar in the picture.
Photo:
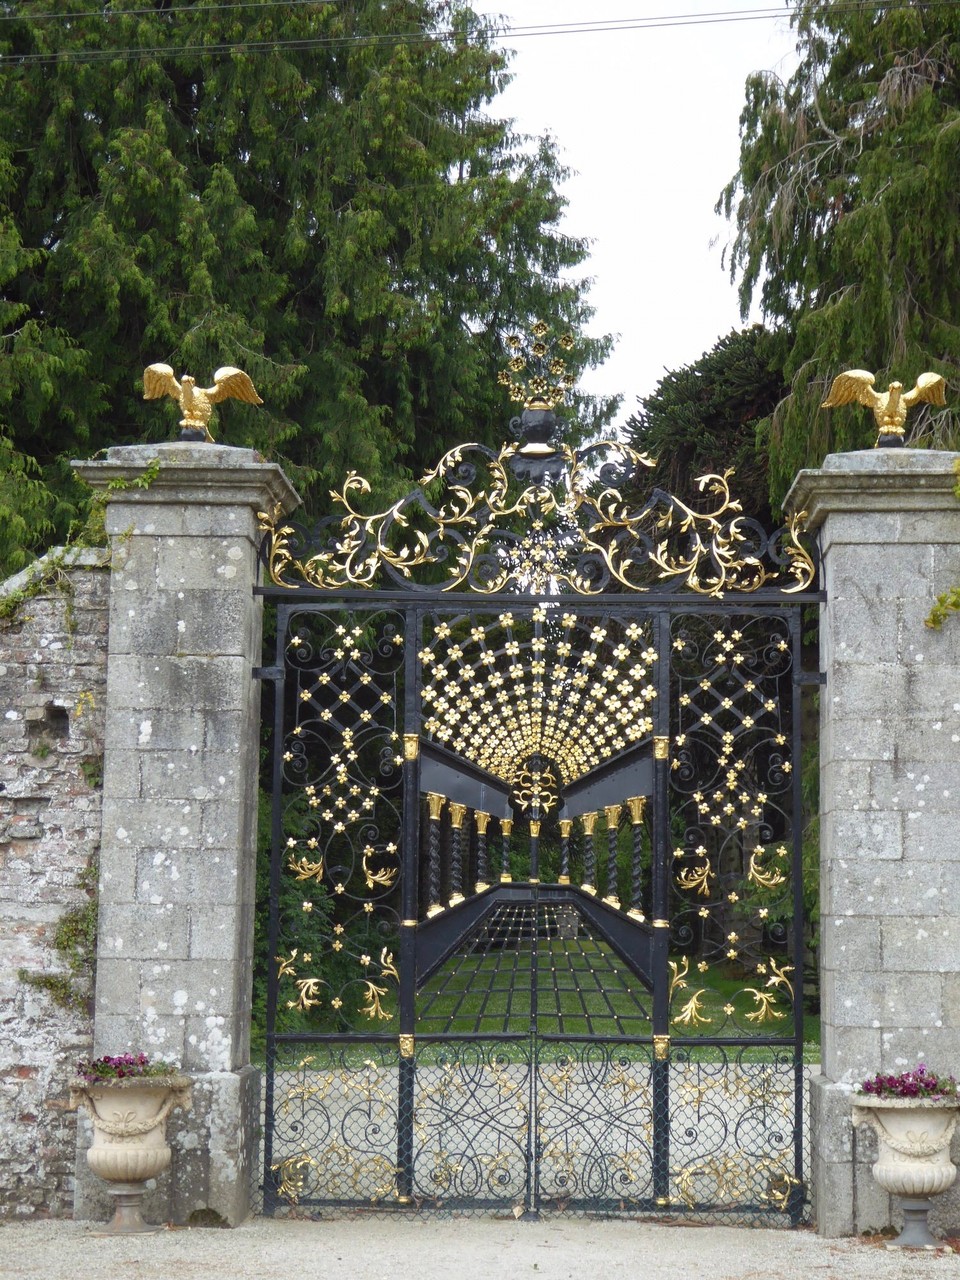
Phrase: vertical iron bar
(796, 1197)
(409, 898)
(270, 1198)
(532, 1207)
(661, 923)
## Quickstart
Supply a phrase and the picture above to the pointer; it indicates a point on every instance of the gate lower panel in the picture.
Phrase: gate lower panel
(509, 1126)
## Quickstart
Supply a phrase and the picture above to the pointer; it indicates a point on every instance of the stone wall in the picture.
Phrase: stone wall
(53, 654)
(889, 529)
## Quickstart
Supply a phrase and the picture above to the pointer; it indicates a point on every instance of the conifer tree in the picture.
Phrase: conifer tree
(703, 419)
(847, 209)
(316, 192)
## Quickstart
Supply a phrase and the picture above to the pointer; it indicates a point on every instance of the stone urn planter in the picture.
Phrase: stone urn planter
(914, 1136)
(129, 1119)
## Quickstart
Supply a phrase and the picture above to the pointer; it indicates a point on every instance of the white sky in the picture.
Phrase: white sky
(649, 120)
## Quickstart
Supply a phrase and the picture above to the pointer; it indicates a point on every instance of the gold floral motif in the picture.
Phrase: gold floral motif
(610, 695)
(696, 879)
(735, 1178)
(692, 1015)
(678, 975)
(766, 878)
(371, 1007)
(765, 1009)
(780, 978)
(304, 869)
(308, 990)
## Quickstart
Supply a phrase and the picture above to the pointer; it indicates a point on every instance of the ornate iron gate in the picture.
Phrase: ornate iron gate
(536, 909)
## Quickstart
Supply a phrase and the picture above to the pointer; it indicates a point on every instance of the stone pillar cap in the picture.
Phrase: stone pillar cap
(214, 474)
(876, 480)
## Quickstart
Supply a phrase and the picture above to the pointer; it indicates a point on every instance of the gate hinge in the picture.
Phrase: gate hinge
(411, 746)
(661, 748)
(661, 1048)
(406, 1046)
(812, 677)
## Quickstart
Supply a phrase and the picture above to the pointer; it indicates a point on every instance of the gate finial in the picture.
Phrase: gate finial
(890, 406)
(196, 403)
(547, 380)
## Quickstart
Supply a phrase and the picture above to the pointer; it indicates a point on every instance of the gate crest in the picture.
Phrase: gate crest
(540, 517)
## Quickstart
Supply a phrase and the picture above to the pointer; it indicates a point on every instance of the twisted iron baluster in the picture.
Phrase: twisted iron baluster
(435, 804)
(506, 827)
(457, 814)
(566, 826)
(483, 871)
(589, 885)
(612, 813)
(637, 805)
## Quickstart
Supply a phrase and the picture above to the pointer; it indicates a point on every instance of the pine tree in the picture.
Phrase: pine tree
(314, 192)
(847, 207)
(704, 417)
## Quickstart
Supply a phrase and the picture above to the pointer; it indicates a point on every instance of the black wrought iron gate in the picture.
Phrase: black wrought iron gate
(536, 917)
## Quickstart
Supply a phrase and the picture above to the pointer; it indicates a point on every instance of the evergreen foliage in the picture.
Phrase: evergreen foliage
(315, 192)
(847, 207)
(703, 418)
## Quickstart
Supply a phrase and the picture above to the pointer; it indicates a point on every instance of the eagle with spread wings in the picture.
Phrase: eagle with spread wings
(889, 407)
(196, 403)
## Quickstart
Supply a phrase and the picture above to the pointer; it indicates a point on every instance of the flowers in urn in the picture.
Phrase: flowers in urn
(914, 1115)
(128, 1099)
(919, 1083)
(122, 1067)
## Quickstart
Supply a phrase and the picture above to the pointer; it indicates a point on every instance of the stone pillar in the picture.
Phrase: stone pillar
(889, 529)
(178, 850)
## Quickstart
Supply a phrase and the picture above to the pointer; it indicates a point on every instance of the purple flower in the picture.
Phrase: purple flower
(919, 1083)
(121, 1067)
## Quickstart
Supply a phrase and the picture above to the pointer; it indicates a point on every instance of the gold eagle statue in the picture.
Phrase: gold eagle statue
(196, 403)
(889, 407)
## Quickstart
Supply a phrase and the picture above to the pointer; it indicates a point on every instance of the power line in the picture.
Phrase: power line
(393, 38)
(594, 26)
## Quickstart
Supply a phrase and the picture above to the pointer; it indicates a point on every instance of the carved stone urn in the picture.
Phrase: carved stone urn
(129, 1146)
(914, 1136)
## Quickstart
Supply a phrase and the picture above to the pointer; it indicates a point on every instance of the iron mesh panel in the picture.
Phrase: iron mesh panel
(572, 1126)
(472, 1124)
(333, 1139)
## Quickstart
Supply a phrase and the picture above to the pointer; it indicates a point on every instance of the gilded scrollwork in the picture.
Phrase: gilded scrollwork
(546, 520)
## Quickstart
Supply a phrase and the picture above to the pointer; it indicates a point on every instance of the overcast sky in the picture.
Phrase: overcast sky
(649, 120)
